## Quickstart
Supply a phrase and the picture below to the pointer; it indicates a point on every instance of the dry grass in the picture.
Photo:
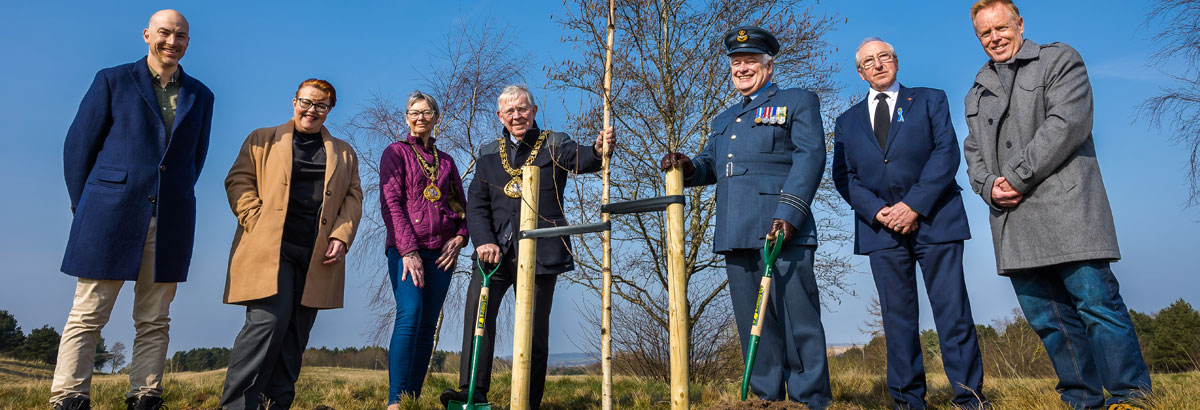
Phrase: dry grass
(26, 386)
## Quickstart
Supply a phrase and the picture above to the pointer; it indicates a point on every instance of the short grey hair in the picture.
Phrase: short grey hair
(858, 59)
(417, 95)
(762, 58)
(513, 92)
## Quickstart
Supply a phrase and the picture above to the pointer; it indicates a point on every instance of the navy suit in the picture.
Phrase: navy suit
(766, 171)
(916, 166)
(121, 170)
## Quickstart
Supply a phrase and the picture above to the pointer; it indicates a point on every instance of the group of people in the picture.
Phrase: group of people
(138, 143)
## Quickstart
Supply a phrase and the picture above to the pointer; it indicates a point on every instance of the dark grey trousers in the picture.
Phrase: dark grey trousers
(267, 353)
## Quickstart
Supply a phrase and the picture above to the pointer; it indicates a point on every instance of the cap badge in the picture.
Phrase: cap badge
(742, 35)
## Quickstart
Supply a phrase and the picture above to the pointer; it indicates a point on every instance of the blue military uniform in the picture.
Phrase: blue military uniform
(766, 157)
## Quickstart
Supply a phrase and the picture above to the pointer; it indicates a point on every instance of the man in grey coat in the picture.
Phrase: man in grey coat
(1030, 156)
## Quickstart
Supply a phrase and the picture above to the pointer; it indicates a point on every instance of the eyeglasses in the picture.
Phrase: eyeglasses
(1001, 30)
(422, 113)
(524, 109)
(881, 58)
(305, 104)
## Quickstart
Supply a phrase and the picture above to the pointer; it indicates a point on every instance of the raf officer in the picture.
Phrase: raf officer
(894, 159)
(131, 160)
(766, 155)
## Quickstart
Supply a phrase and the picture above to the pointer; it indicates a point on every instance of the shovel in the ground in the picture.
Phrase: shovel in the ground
(770, 253)
(480, 317)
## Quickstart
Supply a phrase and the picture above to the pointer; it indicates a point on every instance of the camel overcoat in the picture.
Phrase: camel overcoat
(257, 186)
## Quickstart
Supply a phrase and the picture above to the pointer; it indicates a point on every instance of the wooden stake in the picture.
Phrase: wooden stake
(677, 294)
(526, 266)
(606, 240)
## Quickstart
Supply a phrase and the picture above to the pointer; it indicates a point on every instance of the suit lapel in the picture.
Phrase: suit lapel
(140, 75)
(283, 149)
(187, 97)
(904, 100)
(862, 117)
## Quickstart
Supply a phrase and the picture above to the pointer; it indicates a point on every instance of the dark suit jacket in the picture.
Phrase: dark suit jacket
(493, 217)
(764, 171)
(917, 168)
(120, 170)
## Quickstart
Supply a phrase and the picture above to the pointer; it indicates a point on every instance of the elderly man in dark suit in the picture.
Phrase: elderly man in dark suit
(1031, 158)
(766, 155)
(493, 220)
(131, 161)
(894, 159)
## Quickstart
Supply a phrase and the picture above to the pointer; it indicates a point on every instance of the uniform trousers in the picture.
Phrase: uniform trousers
(543, 300)
(267, 353)
(791, 358)
(91, 310)
(894, 270)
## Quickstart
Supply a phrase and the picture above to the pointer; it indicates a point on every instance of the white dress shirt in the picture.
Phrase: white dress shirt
(893, 93)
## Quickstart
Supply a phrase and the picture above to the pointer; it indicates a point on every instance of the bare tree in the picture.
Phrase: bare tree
(116, 357)
(466, 78)
(670, 78)
(1177, 109)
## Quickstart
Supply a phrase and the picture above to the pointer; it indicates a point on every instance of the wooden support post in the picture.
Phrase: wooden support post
(677, 294)
(526, 267)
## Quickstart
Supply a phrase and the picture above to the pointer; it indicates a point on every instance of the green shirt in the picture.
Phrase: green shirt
(167, 97)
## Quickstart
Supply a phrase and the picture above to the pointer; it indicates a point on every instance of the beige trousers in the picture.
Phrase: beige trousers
(92, 307)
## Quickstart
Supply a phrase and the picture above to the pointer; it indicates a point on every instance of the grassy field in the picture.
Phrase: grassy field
(25, 386)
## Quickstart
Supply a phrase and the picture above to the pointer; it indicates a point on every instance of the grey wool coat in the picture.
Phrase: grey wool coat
(1045, 151)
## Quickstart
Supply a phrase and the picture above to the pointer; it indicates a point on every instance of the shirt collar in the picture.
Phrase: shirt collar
(531, 131)
(158, 78)
(415, 140)
(760, 90)
(893, 92)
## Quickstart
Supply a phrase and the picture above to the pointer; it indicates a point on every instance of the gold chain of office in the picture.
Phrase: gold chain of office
(513, 187)
(431, 171)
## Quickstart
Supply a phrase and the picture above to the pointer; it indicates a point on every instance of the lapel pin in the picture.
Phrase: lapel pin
(900, 114)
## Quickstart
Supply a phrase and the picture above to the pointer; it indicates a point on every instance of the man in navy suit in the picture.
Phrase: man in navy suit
(131, 160)
(766, 154)
(894, 159)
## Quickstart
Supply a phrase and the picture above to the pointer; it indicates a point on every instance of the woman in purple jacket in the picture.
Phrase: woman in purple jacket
(422, 203)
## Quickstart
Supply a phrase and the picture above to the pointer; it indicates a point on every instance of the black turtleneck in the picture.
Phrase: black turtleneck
(306, 190)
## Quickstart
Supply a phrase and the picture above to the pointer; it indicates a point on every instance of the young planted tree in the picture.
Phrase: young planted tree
(670, 78)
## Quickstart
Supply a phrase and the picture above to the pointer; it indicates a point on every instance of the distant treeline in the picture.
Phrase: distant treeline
(1170, 340)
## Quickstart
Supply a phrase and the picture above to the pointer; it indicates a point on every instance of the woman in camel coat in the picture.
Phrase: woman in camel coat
(295, 191)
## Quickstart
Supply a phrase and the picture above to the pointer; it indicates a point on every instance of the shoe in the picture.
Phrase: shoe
(460, 396)
(145, 403)
(74, 403)
(1122, 406)
(322, 407)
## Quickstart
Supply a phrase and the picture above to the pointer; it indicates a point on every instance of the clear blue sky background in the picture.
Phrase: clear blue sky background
(252, 55)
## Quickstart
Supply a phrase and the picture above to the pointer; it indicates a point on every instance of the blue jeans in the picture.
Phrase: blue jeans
(417, 311)
(1076, 309)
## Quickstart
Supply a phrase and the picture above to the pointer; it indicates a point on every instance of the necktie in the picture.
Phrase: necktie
(746, 101)
(883, 120)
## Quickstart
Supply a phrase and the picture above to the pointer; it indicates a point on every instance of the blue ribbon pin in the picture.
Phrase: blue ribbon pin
(899, 114)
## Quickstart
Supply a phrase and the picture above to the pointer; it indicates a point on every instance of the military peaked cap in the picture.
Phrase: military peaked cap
(750, 39)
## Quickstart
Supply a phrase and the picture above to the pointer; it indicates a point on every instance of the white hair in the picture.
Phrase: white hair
(513, 92)
(858, 58)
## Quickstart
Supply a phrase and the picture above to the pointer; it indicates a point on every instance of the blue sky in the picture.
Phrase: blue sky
(252, 55)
